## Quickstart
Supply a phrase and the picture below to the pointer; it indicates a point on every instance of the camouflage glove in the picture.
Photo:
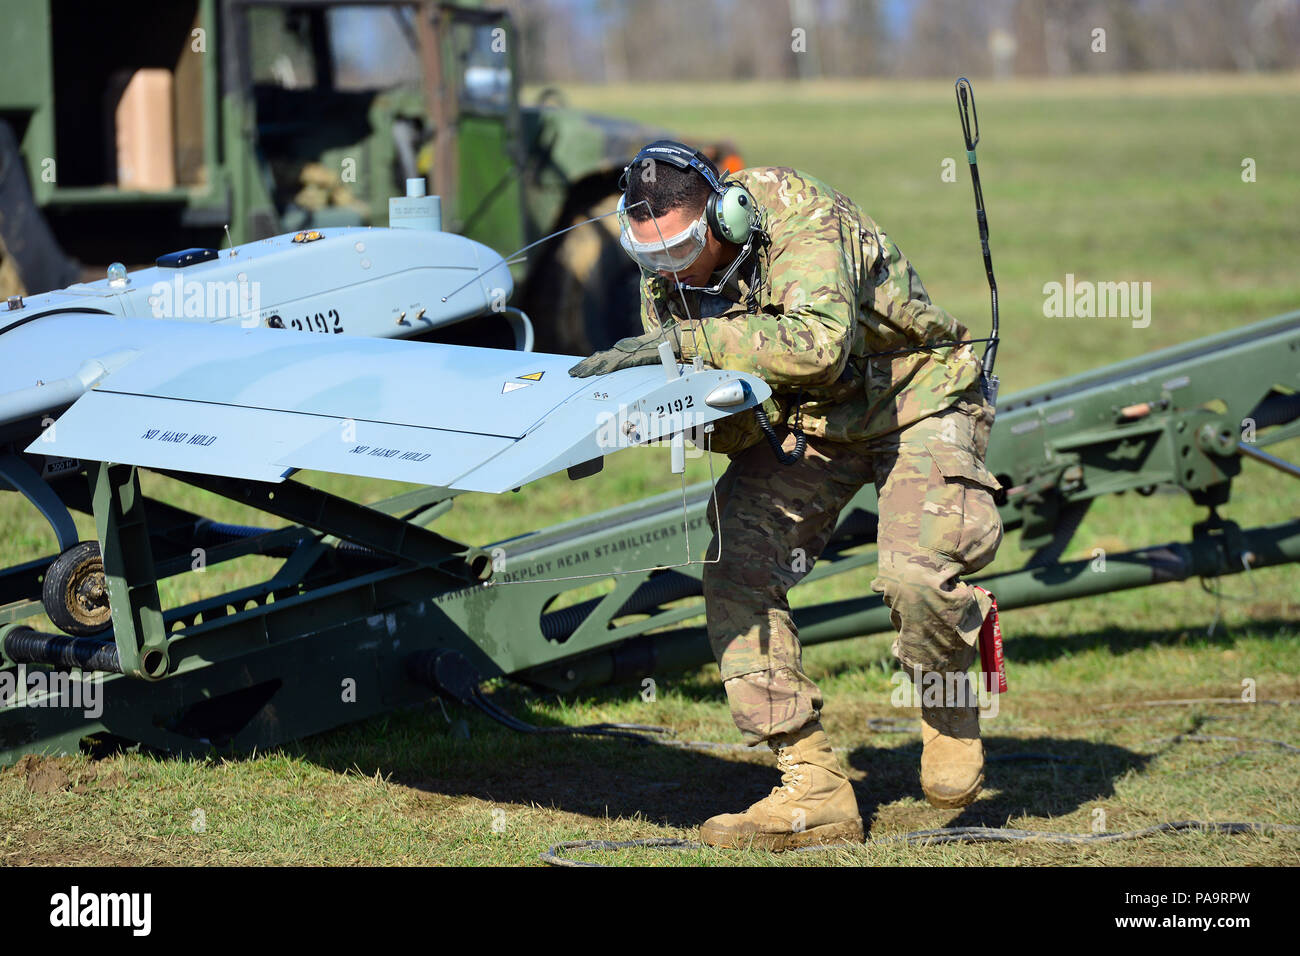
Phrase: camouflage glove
(627, 353)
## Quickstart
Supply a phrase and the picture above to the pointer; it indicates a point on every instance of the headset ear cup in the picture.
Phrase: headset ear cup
(732, 214)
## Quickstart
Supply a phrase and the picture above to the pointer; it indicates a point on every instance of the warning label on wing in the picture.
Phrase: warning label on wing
(178, 438)
(395, 453)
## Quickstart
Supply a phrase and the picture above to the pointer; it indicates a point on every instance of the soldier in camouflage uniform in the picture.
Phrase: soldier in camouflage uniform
(829, 312)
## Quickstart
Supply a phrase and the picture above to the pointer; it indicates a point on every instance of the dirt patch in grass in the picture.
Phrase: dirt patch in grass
(46, 775)
(43, 774)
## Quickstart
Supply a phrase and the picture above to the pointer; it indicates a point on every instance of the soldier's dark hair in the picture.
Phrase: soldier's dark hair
(666, 188)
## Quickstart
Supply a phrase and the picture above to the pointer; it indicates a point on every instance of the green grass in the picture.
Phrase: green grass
(1108, 179)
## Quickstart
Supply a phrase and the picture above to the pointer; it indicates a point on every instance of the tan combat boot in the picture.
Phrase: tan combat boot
(952, 761)
(813, 805)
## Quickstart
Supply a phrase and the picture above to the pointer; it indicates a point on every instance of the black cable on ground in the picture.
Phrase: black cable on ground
(450, 673)
(645, 733)
(932, 837)
(638, 733)
(943, 835)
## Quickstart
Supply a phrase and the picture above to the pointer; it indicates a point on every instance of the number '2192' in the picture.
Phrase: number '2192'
(328, 322)
(676, 405)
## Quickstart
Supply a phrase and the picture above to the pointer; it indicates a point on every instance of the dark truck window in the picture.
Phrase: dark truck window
(97, 49)
(348, 48)
(483, 67)
(282, 51)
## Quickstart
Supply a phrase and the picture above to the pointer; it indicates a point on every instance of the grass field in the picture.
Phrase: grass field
(1110, 180)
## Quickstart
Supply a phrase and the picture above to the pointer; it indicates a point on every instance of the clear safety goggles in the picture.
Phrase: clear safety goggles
(669, 253)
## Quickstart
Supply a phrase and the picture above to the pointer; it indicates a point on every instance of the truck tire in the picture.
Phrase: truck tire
(30, 258)
(585, 295)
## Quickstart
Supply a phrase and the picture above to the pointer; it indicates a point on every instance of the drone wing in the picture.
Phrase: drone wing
(259, 403)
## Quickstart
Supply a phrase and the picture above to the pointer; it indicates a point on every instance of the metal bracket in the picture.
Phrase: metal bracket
(25, 479)
(129, 571)
(1224, 537)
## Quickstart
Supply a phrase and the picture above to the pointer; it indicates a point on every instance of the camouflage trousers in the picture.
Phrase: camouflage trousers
(938, 521)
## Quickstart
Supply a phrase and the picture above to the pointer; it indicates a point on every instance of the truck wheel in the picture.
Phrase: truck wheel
(586, 295)
(75, 593)
(31, 260)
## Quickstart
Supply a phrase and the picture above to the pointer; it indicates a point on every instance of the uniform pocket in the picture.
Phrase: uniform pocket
(731, 435)
(959, 517)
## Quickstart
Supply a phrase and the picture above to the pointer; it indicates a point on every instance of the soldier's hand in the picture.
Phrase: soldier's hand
(626, 353)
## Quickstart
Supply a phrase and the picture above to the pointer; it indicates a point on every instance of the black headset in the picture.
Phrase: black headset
(731, 213)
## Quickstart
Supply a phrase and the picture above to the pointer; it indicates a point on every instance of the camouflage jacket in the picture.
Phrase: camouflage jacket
(822, 296)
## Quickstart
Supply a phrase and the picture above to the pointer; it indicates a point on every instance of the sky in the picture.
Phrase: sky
(366, 37)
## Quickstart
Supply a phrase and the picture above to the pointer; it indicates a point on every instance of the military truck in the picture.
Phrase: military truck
(275, 116)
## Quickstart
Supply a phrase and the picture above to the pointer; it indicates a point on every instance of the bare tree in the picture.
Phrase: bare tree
(618, 41)
(948, 36)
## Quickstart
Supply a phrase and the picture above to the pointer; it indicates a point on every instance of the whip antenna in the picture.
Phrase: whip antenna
(970, 128)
